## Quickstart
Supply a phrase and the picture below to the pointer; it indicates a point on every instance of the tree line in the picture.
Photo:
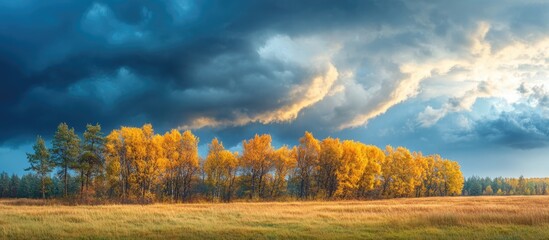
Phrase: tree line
(475, 186)
(29, 185)
(135, 164)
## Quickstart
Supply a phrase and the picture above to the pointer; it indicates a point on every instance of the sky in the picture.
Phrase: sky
(465, 79)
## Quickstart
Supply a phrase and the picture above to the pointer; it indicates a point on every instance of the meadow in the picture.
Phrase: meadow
(493, 217)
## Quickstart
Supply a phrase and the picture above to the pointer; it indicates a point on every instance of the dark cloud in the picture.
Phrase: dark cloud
(522, 130)
(154, 61)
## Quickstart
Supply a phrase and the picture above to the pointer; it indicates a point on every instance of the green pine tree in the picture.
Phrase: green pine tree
(91, 160)
(65, 152)
(41, 163)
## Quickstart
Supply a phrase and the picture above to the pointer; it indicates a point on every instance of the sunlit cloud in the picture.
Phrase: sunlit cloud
(300, 97)
(497, 74)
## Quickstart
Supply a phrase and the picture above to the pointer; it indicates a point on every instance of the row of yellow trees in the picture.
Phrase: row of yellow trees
(143, 166)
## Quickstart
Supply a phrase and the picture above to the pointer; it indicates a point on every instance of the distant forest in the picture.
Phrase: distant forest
(134, 164)
(475, 186)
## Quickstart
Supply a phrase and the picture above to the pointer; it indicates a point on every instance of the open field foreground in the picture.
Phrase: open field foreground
(515, 217)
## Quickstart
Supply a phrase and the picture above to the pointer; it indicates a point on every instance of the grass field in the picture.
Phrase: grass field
(517, 217)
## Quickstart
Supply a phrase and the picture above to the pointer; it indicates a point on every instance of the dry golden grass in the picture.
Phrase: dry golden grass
(516, 217)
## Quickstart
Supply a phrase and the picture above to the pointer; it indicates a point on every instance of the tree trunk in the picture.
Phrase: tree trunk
(253, 185)
(81, 182)
(66, 187)
(88, 175)
(43, 188)
(260, 185)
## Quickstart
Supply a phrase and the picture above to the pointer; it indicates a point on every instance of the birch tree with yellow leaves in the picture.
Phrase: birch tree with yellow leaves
(329, 162)
(173, 151)
(284, 160)
(371, 175)
(351, 169)
(399, 173)
(220, 167)
(257, 163)
(307, 153)
(188, 163)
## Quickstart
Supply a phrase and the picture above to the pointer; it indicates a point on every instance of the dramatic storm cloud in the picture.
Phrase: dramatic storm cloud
(463, 78)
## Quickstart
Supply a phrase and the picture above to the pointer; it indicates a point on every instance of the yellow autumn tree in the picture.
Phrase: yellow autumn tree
(134, 153)
(144, 149)
(488, 190)
(422, 174)
(115, 162)
(284, 160)
(135, 160)
(181, 151)
(428, 181)
(257, 162)
(329, 162)
(220, 168)
(156, 165)
(350, 170)
(371, 174)
(438, 183)
(188, 162)
(307, 153)
(453, 178)
(399, 173)
(173, 151)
